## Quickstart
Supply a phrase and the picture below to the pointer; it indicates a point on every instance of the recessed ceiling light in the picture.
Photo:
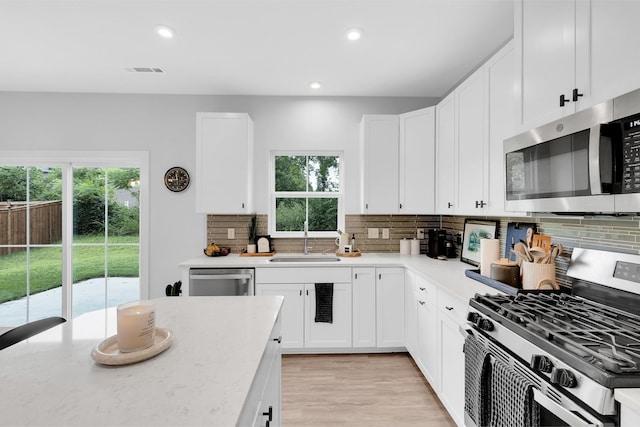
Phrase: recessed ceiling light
(354, 34)
(315, 85)
(164, 31)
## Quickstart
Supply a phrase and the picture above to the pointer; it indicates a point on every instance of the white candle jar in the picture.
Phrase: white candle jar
(136, 325)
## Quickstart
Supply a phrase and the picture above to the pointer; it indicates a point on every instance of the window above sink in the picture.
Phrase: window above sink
(306, 187)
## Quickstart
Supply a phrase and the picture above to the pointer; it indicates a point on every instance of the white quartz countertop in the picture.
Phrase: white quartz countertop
(202, 379)
(449, 274)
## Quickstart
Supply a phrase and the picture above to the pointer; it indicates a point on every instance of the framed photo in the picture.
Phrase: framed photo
(264, 244)
(474, 230)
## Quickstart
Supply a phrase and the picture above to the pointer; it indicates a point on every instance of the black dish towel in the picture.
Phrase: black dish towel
(477, 368)
(512, 401)
(324, 302)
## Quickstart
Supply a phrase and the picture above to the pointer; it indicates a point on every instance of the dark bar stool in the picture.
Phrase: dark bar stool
(27, 330)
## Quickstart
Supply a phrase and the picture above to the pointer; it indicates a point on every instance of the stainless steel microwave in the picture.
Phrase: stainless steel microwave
(588, 162)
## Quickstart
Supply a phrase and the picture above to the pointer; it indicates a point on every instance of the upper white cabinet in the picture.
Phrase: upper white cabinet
(446, 155)
(552, 44)
(500, 77)
(614, 35)
(224, 163)
(397, 155)
(379, 144)
(473, 156)
(417, 151)
(471, 125)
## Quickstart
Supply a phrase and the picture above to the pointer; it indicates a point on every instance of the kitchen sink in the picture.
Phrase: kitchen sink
(305, 258)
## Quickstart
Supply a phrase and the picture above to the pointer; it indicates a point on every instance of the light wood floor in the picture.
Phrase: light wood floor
(358, 390)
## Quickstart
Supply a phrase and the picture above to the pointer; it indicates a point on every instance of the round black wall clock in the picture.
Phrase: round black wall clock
(177, 179)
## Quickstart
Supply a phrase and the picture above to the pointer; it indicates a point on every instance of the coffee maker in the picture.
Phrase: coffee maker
(440, 244)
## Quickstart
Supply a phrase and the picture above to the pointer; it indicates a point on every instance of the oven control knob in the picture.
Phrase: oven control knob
(485, 324)
(563, 377)
(541, 363)
(473, 317)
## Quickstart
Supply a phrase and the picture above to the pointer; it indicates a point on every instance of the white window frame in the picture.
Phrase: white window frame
(310, 194)
(68, 160)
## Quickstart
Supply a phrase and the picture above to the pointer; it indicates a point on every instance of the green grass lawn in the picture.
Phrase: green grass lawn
(46, 265)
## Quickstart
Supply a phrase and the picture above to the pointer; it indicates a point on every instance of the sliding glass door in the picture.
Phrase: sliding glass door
(69, 239)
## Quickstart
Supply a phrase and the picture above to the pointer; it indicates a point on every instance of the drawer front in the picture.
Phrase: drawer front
(452, 306)
(425, 290)
(303, 275)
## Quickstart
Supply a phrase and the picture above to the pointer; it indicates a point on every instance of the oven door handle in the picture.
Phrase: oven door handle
(570, 417)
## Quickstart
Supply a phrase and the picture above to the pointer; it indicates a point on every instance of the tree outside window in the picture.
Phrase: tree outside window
(307, 187)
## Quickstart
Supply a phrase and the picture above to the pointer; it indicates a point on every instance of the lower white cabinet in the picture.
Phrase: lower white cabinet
(427, 331)
(390, 307)
(451, 313)
(262, 406)
(297, 286)
(364, 306)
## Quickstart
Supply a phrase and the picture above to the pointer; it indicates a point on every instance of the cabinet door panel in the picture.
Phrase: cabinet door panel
(390, 307)
(364, 307)
(292, 314)
(428, 341)
(445, 156)
(452, 367)
(379, 152)
(332, 335)
(548, 59)
(470, 105)
(417, 161)
(614, 62)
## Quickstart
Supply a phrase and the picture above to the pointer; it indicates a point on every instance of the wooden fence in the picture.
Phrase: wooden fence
(45, 222)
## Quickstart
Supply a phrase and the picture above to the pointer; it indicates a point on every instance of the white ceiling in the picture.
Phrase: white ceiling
(248, 47)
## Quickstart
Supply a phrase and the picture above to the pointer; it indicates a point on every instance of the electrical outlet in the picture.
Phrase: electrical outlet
(372, 233)
(231, 233)
(385, 233)
(420, 233)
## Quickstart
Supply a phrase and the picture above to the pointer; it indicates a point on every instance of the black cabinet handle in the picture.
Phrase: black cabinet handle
(379, 276)
(400, 205)
(422, 289)
(421, 302)
(356, 276)
(269, 414)
(449, 205)
(300, 292)
(448, 308)
(242, 205)
(576, 95)
(563, 100)
(480, 204)
(279, 339)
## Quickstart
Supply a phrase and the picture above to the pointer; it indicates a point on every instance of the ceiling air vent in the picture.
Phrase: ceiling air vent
(144, 70)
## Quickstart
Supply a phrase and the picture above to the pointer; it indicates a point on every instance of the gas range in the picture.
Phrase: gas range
(575, 348)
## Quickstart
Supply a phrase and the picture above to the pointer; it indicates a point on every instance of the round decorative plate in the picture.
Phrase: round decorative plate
(177, 179)
(107, 352)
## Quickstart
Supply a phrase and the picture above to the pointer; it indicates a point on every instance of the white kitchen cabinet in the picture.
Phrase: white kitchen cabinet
(552, 46)
(389, 307)
(292, 313)
(472, 140)
(224, 163)
(364, 306)
(446, 156)
(410, 314)
(417, 161)
(379, 147)
(328, 335)
(263, 401)
(427, 334)
(297, 286)
(614, 33)
(500, 75)
(451, 313)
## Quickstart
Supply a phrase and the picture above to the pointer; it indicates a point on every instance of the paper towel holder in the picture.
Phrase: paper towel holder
(474, 230)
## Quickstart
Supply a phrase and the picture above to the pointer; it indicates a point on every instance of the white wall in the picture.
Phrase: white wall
(164, 125)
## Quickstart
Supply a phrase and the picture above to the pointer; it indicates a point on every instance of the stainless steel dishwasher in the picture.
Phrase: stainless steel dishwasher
(221, 282)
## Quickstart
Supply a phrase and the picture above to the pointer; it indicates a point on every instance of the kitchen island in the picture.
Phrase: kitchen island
(207, 377)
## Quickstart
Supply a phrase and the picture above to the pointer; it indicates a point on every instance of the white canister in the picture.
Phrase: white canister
(415, 247)
(533, 273)
(405, 247)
